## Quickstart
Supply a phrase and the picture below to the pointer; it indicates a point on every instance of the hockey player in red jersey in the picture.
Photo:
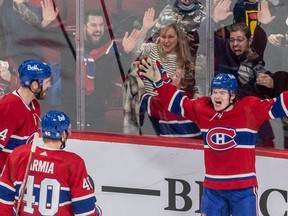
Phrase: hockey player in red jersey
(229, 128)
(20, 110)
(57, 181)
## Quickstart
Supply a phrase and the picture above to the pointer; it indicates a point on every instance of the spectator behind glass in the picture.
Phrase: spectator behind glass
(8, 80)
(277, 31)
(235, 56)
(188, 15)
(277, 53)
(21, 24)
(20, 109)
(253, 15)
(102, 76)
(65, 173)
(232, 52)
(170, 124)
(171, 50)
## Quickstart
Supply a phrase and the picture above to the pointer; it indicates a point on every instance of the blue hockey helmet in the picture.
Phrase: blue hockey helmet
(53, 123)
(224, 81)
(31, 70)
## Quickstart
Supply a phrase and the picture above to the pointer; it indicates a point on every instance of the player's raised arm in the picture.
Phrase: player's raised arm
(169, 94)
(154, 72)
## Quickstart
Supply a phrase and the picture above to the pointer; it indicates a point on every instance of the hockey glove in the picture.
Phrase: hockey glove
(154, 73)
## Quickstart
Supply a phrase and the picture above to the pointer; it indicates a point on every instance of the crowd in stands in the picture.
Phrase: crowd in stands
(118, 68)
(102, 91)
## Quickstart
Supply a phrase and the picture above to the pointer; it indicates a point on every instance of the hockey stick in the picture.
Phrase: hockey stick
(24, 182)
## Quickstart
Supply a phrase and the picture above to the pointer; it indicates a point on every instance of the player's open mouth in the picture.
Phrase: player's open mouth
(217, 104)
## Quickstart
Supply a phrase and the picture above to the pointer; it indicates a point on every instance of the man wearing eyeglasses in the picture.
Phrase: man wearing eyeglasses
(234, 54)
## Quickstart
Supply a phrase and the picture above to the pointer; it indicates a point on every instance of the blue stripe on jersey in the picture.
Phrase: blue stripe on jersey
(241, 138)
(4, 190)
(279, 109)
(176, 103)
(15, 142)
(81, 205)
(64, 194)
(181, 127)
(144, 103)
(84, 204)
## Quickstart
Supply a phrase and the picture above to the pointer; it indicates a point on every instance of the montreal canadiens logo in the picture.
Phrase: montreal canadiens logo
(221, 138)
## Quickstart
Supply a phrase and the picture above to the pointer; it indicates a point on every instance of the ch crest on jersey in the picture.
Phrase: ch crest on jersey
(221, 138)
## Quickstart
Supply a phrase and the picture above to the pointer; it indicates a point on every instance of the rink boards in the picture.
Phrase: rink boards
(150, 176)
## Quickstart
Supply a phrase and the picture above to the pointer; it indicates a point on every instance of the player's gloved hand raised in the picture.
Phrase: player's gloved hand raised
(154, 72)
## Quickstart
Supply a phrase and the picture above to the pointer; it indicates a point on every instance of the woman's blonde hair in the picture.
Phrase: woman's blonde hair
(183, 55)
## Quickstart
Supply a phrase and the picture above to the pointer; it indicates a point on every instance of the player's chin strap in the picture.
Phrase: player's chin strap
(63, 144)
(230, 104)
(37, 94)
